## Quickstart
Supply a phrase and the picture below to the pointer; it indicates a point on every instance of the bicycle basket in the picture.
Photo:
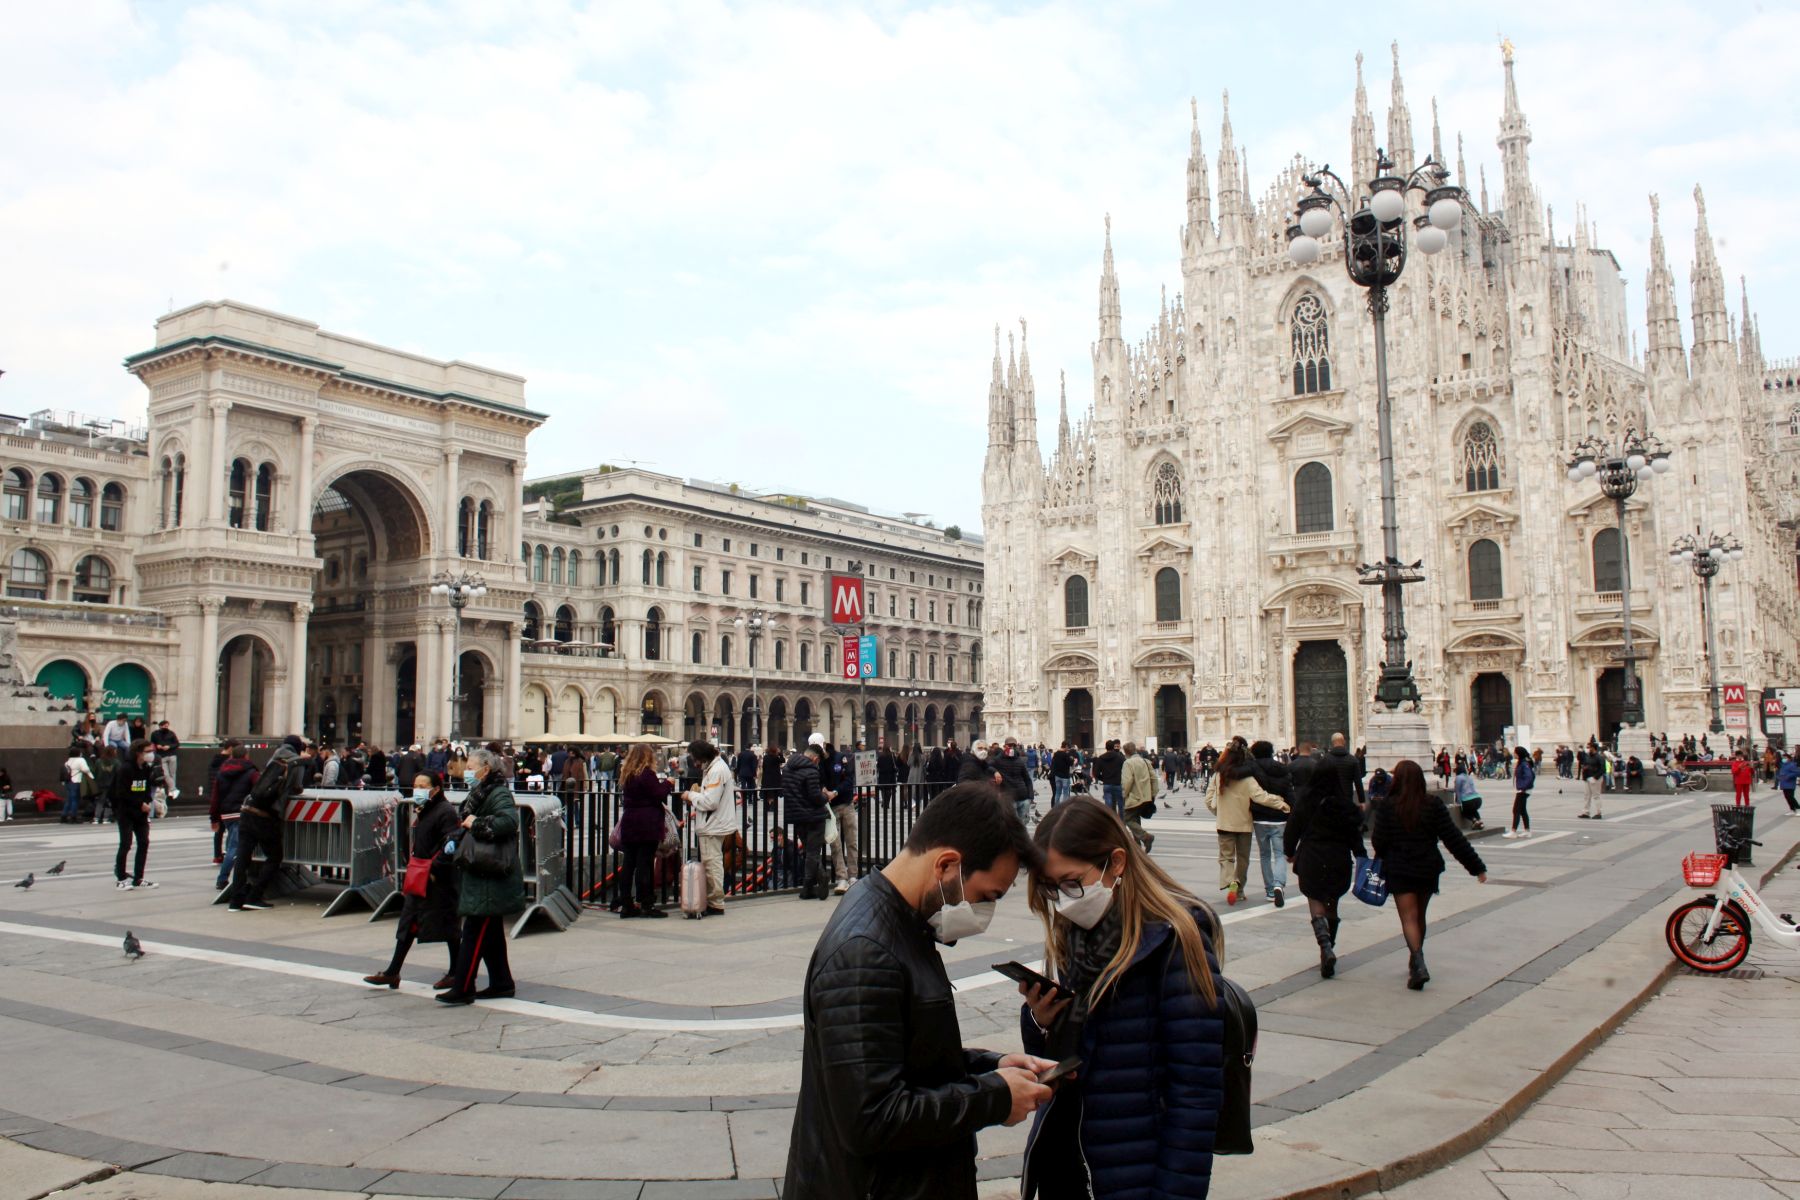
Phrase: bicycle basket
(1702, 870)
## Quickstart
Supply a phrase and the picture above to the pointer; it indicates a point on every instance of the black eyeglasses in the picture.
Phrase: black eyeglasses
(1050, 889)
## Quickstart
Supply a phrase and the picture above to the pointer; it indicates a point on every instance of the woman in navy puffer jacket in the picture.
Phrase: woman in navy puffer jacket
(1135, 951)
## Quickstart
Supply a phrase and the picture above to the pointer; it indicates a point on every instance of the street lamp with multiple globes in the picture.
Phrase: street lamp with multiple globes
(1706, 558)
(1638, 458)
(1374, 220)
(458, 589)
(752, 623)
(910, 695)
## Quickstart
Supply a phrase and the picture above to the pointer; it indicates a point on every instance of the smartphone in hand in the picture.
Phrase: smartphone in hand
(1020, 973)
(1060, 1071)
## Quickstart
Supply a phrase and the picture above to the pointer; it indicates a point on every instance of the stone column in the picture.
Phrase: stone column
(296, 697)
(516, 508)
(513, 691)
(215, 454)
(303, 497)
(452, 500)
(445, 653)
(378, 691)
(206, 656)
(428, 709)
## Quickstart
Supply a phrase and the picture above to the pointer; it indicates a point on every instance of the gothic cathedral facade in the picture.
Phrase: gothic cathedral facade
(1184, 565)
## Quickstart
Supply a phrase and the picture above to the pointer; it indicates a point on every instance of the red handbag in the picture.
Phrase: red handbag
(418, 876)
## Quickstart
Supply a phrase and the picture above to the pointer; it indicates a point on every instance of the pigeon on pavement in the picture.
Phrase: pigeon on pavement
(58, 868)
(134, 949)
(27, 881)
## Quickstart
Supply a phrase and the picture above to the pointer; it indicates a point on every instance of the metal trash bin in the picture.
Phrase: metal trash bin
(1741, 820)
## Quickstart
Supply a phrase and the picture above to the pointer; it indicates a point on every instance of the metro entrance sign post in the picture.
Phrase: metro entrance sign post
(847, 608)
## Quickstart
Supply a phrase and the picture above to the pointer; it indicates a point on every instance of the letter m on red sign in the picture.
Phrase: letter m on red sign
(846, 600)
(1734, 693)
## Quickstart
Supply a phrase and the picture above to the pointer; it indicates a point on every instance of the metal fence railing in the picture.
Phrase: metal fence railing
(765, 859)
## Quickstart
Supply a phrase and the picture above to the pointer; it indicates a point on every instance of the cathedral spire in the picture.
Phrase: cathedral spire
(1199, 188)
(1663, 354)
(1711, 337)
(1025, 404)
(1750, 347)
(998, 400)
(1109, 292)
(1400, 139)
(1515, 162)
(1362, 137)
(1233, 203)
(1062, 415)
(1437, 142)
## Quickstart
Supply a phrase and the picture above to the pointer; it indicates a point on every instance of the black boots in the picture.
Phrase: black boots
(1416, 974)
(1322, 929)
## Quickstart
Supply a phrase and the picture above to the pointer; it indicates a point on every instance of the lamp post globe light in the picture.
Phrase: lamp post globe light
(1374, 222)
(910, 695)
(751, 623)
(458, 588)
(1706, 557)
(1620, 469)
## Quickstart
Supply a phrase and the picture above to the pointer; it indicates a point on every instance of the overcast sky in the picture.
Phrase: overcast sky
(768, 243)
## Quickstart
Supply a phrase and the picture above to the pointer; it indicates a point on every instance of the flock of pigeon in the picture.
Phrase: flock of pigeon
(134, 949)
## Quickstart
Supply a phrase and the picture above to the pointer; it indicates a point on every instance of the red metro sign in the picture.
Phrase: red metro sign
(846, 600)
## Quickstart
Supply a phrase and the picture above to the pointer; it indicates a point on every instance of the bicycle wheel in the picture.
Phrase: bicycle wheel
(1686, 934)
(1699, 778)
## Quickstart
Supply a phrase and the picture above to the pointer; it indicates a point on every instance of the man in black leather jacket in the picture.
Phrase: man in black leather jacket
(1015, 780)
(890, 1101)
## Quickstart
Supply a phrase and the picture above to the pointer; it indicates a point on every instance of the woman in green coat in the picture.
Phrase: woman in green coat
(488, 816)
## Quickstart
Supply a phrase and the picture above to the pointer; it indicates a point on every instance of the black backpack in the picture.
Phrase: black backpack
(271, 786)
(1233, 1133)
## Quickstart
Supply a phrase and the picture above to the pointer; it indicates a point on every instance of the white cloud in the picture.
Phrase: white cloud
(738, 238)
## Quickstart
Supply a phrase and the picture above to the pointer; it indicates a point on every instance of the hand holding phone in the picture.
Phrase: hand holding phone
(1020, 973)
(1063, 1070)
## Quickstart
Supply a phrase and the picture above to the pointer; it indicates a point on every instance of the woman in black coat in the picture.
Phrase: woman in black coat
(1323, 839)
(643, 798)
(1409, 824)
(431, 917)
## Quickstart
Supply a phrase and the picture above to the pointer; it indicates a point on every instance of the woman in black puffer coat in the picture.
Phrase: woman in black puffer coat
(1409, 824)
(1137, 1120)
(431, 917)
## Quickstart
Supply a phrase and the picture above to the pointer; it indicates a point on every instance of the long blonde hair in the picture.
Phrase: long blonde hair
(638, 758)
(1085, 830)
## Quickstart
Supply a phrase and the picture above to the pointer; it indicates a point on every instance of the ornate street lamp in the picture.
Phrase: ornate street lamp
(458, 588)
(1706, 558)
(1638, 458)
(752, 623)
(1374, 220)
(912, 694)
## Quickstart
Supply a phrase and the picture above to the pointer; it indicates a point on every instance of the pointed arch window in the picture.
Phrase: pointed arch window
(1166, 493)
(1609, 562)
(1481, 459)
(1312, 499)
(1485, 578)
(1311, 343)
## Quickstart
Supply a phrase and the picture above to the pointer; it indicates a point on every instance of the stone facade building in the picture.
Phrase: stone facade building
(260, 560)
(1184, 565)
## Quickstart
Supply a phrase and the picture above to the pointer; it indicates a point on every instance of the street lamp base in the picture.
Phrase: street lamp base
(1390, 735)
(1635, 739)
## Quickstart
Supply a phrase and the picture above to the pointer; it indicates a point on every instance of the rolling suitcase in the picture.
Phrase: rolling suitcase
(693, 889)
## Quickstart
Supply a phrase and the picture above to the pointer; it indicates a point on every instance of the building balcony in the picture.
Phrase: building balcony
(1486, 612)
(1328, 547)
(1608, 604)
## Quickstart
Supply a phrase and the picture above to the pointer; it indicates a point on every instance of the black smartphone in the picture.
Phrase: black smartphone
(1055, 1075)
(1020, 973)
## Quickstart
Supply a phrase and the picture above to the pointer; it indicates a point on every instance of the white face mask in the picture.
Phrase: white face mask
(1087, 909)
(953, 922)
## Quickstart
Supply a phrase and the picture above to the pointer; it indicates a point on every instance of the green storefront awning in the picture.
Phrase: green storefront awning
(127, 690)
(65, 681)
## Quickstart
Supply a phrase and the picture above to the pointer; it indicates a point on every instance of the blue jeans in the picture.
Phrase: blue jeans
(1114, 794)
(1059, 789)
(231, 828)
(1274, 858)
(72, 801)
(1022, 806)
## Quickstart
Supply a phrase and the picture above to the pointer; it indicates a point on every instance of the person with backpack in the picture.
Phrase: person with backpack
(231, 788)
(716, 813)
(75, 769)
(1140, 1002)
(608, 764)
(259, 825)
(1524, 779)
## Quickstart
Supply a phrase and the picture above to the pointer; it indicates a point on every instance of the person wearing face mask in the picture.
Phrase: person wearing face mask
(260, 820)
(133, 786)
(1137, 955)
(805, 799)
(431, 917)
(488, 815)
(890, 1100)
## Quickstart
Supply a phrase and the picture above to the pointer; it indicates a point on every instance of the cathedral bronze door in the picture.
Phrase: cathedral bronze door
(1609, 695)
(1321, 693)
(1171, 717)
(1078, 718)
(1492, 698)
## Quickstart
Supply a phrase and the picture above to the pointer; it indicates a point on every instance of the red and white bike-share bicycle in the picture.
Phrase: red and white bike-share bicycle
(1712, 933)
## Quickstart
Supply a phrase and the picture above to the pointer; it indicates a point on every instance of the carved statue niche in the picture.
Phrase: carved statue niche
(1317, 606)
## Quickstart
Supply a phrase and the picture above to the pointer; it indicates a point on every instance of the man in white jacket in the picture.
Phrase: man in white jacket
(714, 804)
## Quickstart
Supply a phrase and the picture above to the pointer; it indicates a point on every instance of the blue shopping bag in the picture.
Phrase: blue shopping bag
(1370, 886)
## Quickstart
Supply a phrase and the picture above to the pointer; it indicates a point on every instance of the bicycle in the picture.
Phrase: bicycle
(1712, 933)
(1693, 781)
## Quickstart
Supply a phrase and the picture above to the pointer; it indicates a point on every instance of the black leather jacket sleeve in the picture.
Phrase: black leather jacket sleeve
(859, 1001)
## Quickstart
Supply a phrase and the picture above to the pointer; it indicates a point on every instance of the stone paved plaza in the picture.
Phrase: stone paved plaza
(243, 1056)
